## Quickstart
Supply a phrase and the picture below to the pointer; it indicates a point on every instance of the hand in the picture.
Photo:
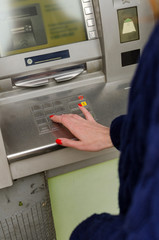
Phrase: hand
(91, 136)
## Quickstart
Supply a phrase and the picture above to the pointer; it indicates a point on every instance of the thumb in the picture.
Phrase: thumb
(69, 143)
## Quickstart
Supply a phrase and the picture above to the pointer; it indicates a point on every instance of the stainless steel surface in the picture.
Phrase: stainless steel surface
(5, 174)
(24, 122)
(68, 75)
(111, 46)
(41, 79)
(32, 83)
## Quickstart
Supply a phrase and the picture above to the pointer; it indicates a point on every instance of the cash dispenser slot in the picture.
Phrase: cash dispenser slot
(42, 79)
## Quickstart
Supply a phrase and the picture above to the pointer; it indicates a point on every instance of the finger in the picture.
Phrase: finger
(87, 114)
(56, 118)
(70, 143)
(64, 118)
(70, 121)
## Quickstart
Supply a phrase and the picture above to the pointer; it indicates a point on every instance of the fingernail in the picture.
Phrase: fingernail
(51, 116)
(80, 105)
(58, 141)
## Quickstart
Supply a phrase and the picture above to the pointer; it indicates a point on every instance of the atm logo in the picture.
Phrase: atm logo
(47, 58)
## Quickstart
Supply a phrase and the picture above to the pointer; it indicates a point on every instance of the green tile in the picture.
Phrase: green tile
(79, 194)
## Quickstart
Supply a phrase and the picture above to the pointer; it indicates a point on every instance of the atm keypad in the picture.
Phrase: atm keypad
(47, 105)
(41, 121)
(60, 109)
(38, 114)
(41, 112)
(44, 128)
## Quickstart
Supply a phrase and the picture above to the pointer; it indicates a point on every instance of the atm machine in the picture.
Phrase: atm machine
(55, 54)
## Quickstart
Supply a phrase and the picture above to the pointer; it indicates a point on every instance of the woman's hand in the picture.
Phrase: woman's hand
(91, 136)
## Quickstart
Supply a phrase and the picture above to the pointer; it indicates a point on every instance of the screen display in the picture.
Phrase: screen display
(128, 24)
(27, 25)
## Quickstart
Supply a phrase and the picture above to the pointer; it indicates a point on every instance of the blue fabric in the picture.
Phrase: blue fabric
(139, 161)
(115, 130)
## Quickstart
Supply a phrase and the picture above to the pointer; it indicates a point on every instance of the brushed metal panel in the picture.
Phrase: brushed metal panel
(20, 130)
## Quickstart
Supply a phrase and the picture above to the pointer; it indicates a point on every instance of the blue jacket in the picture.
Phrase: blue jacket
(138, 141)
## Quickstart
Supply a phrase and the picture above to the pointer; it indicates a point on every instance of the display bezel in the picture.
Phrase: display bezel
(79, 52)
(128, 17)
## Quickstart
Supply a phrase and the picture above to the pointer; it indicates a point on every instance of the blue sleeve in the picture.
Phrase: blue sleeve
(142, 218)
(115, 130)
(139, 160)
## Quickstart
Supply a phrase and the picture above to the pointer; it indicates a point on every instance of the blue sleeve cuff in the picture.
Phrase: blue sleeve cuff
(115, 130)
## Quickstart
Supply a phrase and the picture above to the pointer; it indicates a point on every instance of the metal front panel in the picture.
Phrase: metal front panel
(111, 37)
(27, 129)
(5, 174)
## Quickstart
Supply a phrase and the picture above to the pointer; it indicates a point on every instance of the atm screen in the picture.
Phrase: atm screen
(128, 24)
(27, 26)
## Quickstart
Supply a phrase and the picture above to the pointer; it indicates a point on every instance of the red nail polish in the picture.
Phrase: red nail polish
(51, 116)
(80, 97)
(80, 105)
(58, 141)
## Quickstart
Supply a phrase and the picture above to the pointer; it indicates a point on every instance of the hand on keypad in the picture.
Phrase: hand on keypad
(90, 135)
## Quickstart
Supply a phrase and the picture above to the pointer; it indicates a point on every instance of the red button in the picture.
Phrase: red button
(80, 97)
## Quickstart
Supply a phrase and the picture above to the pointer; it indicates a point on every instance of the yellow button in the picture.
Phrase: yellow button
(83, 104)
